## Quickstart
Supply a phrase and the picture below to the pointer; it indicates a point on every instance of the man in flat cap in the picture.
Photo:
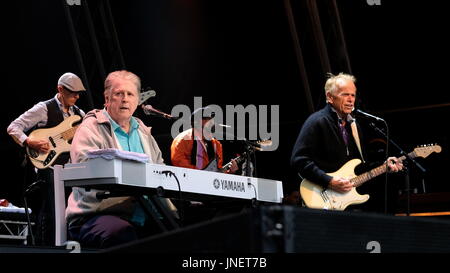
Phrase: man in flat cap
(46, 115)
(197, 148)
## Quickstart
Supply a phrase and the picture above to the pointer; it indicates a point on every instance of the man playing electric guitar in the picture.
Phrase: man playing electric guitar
(330, 137)
(47, 114)
(196, 148)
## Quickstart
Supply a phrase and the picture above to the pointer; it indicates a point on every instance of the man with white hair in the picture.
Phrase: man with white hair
(103, 223)
(329, 138)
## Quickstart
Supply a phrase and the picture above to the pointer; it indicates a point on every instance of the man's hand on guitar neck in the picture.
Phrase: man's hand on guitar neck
(234, 166)
(394, 164)
(340, 184)
(39, 145)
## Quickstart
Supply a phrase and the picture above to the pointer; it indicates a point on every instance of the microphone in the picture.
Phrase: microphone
(149, 110)
(367, 115)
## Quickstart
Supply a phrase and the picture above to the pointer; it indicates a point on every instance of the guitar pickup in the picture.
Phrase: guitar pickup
(50, 156)
(52, 142)
(324, 195)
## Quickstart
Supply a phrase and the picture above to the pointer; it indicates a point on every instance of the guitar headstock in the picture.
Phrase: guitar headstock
(426, 150)
(145, 95)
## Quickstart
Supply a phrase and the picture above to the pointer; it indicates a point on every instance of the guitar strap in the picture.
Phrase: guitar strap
(198, 148)
(356, 137)
(207, 147)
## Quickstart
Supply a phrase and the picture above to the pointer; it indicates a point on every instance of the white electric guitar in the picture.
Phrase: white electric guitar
(315, 196)
(59, 139)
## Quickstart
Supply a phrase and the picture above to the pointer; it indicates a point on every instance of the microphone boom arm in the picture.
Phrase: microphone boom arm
(149, 110)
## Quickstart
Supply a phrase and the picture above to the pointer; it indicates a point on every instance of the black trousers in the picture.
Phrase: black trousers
(42, 203)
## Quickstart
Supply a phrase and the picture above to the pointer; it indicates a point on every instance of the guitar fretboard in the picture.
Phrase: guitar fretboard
(238, 159)
(362, 178)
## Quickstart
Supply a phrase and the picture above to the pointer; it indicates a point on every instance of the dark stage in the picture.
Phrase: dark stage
(263, 53)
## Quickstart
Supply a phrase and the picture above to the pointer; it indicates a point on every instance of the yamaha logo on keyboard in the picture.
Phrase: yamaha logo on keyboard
(216, 183)
(229, 185)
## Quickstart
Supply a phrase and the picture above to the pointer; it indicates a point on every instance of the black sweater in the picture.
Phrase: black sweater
(320, 147)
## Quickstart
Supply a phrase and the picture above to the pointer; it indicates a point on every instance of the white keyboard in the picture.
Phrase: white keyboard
(193, 184)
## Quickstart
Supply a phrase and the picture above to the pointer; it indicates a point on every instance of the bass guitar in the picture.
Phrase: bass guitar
(59, 137)
(315, 196)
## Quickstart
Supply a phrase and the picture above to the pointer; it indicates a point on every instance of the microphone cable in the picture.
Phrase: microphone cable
(254, 173)
(387, 169)
(255, 200)
(181, 211)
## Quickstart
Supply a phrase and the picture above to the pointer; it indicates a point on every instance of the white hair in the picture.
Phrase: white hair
(331, 85)
(123, 74)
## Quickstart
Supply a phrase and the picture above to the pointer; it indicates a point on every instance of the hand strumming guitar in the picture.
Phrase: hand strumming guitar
(340, 184)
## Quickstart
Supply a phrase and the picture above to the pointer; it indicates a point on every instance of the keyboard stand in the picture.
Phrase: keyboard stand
(168, 216)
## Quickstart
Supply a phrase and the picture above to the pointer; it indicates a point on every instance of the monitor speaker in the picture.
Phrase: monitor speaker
(289, 229)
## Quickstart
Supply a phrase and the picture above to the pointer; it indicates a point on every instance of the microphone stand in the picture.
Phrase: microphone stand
(250, 149)
(25, 193)
(158, 113)
(402, 152)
